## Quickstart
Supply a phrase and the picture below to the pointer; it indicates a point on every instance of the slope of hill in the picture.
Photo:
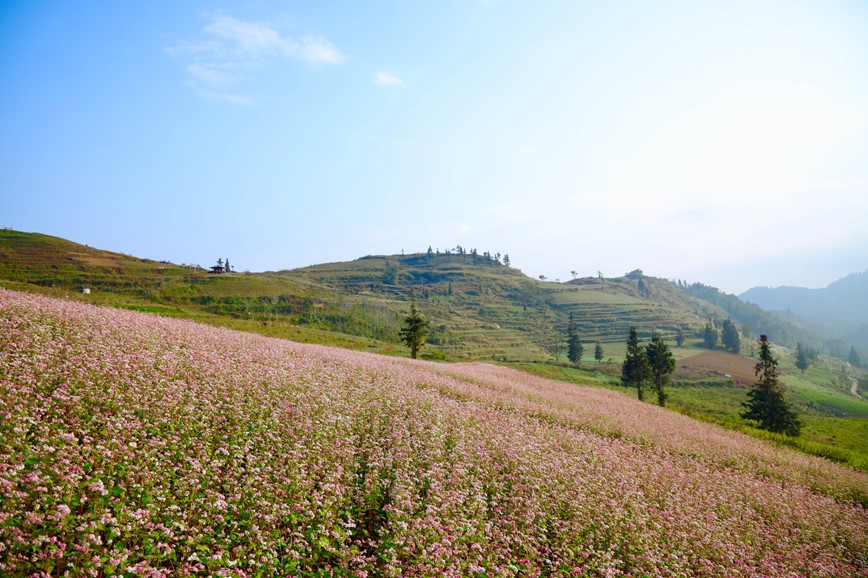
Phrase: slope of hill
(840, 310)
(478, 307)
(143, 445)
(780, 329)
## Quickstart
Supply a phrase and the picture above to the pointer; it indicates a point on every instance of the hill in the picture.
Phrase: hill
(145, 445)
(479, 310)
(839, 310)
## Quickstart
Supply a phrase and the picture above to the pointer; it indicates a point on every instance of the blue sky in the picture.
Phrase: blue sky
(720, 142)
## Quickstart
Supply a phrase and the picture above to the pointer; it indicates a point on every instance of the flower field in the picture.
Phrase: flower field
(144, 446)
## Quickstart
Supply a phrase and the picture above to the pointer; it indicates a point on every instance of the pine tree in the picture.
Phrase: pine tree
(662, 364)
(574, 342)
(415, 330)
(766, 404)
(635, 370)
(801, 358)
(854, 358)
(710, 336)
(679, 337)
(729, 336)
(598, 352)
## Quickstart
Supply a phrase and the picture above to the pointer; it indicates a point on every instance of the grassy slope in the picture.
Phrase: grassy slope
(478, 311)
(146, 446)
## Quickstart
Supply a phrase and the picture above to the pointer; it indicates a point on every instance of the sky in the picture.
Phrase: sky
(716, 142)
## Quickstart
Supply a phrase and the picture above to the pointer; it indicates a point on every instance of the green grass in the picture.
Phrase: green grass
(844, 439)
(574, 296)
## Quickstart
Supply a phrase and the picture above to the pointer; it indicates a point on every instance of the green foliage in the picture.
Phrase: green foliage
(779, 330)
(709, 337)
(390, 275)
(766, 404)
(854, 358)
(574, 342)
(729, 336)
(679, 337)
(801, 358)
(661, 364)
(414, 331)
(598, 352)
(635, 370)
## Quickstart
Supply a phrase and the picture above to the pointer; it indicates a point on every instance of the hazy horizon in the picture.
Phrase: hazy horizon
(721, 144)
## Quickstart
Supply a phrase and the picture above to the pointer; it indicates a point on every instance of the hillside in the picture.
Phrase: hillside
(141, 445)
(478, 307)
(479, 310)
(839, 310)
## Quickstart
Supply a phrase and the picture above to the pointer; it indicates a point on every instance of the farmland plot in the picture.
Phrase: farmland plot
(133, 444)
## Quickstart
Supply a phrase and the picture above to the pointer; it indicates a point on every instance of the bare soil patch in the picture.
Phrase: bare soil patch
(720, 364)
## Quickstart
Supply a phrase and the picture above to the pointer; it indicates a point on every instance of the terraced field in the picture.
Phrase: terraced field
(478, 308)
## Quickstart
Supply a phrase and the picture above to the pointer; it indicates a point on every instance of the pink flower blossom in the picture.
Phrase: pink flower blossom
(141, 445)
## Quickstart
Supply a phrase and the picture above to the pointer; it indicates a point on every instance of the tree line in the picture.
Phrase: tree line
(651, 366)
(485, 257)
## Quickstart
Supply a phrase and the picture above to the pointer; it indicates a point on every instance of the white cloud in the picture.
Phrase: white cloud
(316, 50)
(386, 79)
(247, 38)
(229, 48)
(209, 74)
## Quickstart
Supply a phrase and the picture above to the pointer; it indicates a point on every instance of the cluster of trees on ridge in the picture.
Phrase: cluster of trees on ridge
(728, 335)
(486, 256)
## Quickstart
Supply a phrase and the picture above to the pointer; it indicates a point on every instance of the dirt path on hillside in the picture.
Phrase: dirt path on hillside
(854, 387)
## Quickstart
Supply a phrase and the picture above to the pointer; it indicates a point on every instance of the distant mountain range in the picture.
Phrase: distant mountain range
(840, 310)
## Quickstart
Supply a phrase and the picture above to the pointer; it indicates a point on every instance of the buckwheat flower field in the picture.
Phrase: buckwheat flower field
(137, 445)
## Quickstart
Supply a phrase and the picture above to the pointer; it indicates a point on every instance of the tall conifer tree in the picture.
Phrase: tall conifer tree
(635, 371)
(729, 336)
(765, 404)
(415, 330)
(661, 364)
(801, 358)
(574, 342)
